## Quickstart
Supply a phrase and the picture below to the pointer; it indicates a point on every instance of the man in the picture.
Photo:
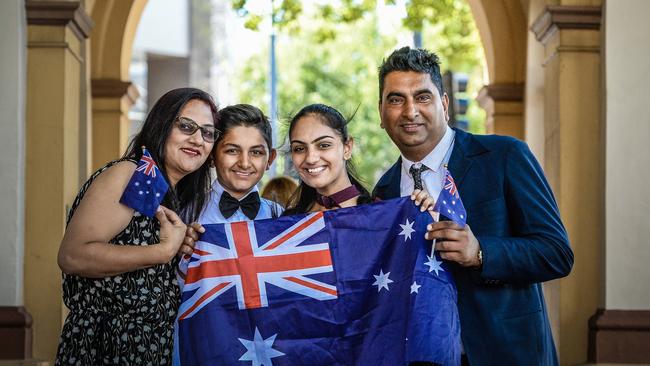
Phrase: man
(513, 239)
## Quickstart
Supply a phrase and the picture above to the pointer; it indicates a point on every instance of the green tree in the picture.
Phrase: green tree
(330, 54)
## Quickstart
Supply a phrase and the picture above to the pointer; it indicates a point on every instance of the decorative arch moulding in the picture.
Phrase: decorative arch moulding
(501, 92)
(62, 13)
(114, 88)
(555, 18)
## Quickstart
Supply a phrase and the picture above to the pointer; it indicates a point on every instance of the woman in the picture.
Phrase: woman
(118, 265)
(321, 151)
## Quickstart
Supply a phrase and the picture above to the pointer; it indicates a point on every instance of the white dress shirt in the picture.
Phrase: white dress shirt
(433, 177)
(212, 215)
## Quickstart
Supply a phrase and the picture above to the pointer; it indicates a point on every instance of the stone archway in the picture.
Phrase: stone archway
(113, 94)
(502, 27)
(549, 52)
(78, 95)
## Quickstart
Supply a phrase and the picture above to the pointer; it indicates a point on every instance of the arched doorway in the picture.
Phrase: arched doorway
(79, 93)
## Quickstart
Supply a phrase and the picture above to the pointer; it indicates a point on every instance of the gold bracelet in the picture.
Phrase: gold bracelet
(479, 255)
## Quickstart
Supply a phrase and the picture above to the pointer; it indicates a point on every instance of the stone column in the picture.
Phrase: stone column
(15, 321)
(620, 332)
(56, 33)
(112, 99)
(574, 160)
(504, 107)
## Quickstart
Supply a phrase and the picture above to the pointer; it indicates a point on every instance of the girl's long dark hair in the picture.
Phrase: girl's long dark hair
(305, 196)
(191, 192)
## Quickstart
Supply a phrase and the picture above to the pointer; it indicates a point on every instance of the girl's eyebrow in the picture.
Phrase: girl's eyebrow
(322, 137)
(315, 140)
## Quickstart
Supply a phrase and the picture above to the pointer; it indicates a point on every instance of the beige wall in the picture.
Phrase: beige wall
(534, 88)
(627, 78)
(12, 150)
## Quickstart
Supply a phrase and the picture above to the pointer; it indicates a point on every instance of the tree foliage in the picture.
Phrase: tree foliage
(331, 53)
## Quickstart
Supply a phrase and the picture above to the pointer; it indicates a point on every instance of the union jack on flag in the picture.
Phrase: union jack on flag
(146, 188)
(449, 203)
(147, 165)
(450, 185)
(250, 266)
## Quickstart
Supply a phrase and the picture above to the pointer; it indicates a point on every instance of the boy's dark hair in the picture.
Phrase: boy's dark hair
(248, 116)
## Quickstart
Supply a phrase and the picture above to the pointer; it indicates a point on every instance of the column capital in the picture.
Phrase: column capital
(114, 88)
(500, 92)
(557, 17)
(504, 107)
(63, 13)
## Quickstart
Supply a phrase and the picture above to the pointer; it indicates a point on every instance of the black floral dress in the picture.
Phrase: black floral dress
(120, 320)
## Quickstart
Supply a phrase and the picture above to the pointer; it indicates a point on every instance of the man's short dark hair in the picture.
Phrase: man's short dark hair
(411, 59)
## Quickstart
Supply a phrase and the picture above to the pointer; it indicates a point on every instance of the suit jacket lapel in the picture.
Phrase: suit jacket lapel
(389, 185)
(465, 147)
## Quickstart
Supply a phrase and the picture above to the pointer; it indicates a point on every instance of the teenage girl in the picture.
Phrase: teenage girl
(321, 150)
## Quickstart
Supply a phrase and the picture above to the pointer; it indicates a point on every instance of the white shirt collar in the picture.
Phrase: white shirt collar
(218, 189)
(434, 159)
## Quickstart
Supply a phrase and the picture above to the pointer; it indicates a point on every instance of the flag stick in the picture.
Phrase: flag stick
(436, 217)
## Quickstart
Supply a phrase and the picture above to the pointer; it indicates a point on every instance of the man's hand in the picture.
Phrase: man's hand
(191, 237)
(454, 243)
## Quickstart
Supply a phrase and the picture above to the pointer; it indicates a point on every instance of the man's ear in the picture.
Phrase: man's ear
(272, 155)
(381, 121)
(445, 105)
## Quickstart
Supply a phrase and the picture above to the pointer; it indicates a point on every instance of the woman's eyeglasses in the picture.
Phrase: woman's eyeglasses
(187, 126)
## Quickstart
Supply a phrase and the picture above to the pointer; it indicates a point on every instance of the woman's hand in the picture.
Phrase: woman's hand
(191, 237)
(422, 199)
(172, 231)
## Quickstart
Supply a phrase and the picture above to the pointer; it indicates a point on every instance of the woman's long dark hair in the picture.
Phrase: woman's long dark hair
(305, 196)
(191, 192)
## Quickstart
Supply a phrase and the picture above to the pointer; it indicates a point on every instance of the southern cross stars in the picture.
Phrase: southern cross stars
(433, 264)
(415, 287)
(382, 280)
(407, 230)
(260, 351)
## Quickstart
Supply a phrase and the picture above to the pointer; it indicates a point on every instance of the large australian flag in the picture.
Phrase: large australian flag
(352, 286)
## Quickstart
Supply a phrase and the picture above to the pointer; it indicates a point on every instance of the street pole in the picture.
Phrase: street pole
(417, 39)
(273, 86)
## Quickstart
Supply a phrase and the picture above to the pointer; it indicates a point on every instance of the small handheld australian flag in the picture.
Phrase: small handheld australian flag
(449, 203)
(147, 186)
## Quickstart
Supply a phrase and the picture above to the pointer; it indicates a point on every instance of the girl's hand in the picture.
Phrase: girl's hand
(421, 198)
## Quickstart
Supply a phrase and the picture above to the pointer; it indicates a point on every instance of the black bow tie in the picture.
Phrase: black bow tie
(250, 205)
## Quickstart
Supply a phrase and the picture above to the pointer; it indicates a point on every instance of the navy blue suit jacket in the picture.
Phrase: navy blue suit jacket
(513, 214)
